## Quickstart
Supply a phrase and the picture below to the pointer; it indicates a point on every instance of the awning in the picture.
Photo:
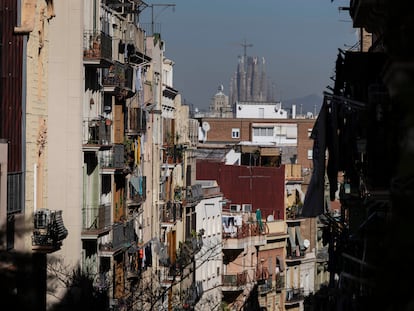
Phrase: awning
(269, 151)
(292, 239)
(135, 183)
(299, 237)
(249, 149)
(281, 263)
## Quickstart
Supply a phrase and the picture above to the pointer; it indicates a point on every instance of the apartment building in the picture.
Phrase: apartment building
(377, 180)
(206, 287)
(43, 121)
(114, 128)
(304, 257)
(99, 147)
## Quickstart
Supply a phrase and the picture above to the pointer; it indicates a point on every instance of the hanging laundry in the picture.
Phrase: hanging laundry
(314, 197)
(138, 84)
(121, 47)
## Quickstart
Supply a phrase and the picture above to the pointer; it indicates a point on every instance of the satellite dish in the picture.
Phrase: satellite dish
(206, 126)
(270, 218)
(306, 243)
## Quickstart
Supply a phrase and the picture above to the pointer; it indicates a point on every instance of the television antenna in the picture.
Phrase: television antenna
(164, 5)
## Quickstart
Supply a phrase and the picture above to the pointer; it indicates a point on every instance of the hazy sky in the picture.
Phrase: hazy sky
(299, 40)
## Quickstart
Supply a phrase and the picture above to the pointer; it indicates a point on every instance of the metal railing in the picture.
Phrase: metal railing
(236, 280)
(97, 45)
(294, 294)
(95, 217)
(99, 131)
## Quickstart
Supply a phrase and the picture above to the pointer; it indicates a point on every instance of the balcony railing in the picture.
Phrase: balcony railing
(121, 236)
(171, 212)
(173, 154)
(48, 230)
(193, 193)
(280, 282)
(235, 281)
(96, 218)
(137, 121)
(137, 190)
(265, 286)
(117, 75)
(294, 212)
(235, 236)
(113, 158)
(294, 295)
(246, 229)
(97, 45)
(99, 132)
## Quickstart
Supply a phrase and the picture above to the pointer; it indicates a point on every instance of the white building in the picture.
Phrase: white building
(261, 110)
(209, 259)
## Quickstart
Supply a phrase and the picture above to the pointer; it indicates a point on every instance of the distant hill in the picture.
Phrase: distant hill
(310, 103)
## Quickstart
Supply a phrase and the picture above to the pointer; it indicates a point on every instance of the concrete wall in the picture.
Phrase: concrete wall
(65, 100)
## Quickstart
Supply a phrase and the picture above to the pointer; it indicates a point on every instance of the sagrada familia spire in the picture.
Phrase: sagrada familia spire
(249, 82)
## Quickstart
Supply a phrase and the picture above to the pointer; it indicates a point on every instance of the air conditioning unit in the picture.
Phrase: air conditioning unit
(235, 207)
(247, 208)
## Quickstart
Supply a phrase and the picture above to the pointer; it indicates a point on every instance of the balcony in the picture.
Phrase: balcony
(369, 14)
(48, 232)
(265, 286)
(137, 189)
(98, 133)
(193, 193)
(173, 154)
(171, 212)
(294, 295)
(132, 267)
(295, 247)
(96, 221)
(191, 295)
(136, 121)
(170, 272)
(234, 282)
(97, 49)
(134, 56)
(238, 236)
(112, 159)
(294, 213)
(280, 282)
(117, 80)
(121, 237)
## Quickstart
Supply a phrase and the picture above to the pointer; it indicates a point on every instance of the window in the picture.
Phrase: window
(235, 133)
(310, 154)
(309, 132)
(263, 131)
(247, 208)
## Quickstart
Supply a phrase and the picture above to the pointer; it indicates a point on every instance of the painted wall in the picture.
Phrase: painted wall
(263, 187)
